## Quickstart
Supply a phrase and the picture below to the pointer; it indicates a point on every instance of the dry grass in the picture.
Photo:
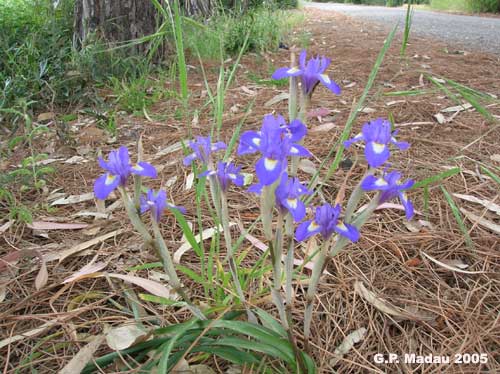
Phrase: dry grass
(462, 309)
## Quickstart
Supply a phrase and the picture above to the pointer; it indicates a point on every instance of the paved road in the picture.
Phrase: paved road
(471, 32)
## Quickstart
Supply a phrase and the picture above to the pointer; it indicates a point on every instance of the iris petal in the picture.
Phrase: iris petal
(268, 170)
(144, 169)
(376, 154)
(104, 185)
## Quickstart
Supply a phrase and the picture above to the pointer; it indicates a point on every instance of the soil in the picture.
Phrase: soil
(451, 312)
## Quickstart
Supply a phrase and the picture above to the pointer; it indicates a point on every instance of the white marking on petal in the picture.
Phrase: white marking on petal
(326, 78)
(231, 176)
(381, 182)
(359, 136)
(270, 164)
(109, 179)
(341, 226)
(137, 168)
(294, 150)
(313, 226)
(256, 141)
(378, 147)
(292, 203)
(404, 197)
(293, 70)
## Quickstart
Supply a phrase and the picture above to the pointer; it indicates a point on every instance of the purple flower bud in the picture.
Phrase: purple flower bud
(156, 203)
(202, 150)
(391, 186)
(226, 173)
(118, 170)
(378, 135)
(326, 222)
(311, 72)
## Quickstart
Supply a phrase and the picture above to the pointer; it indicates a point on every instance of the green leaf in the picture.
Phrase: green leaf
(268, 349)
(437, 178)
(493, 176)
(168, 346)
(352, 118)
(271, 323)
(458, 217)
(188, 233)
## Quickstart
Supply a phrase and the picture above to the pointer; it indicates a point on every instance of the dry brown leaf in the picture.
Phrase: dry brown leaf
(487, 204)
(27, 334)
(6, 226)
(122, 337)
(42, 277)
(440, 118)
(248, 91)
(80, 247)
(282, 96)
(152, 287)
(386, 307)
(481, 221)
(458, 108)
(495, 157)
(46, 225)
(206, 234)
(323, 128)
(170, 149)
(83, 357)
(88, 271)
(307, 166)
(450, 267)
(74, 199)
(347, 344)
(394, 102)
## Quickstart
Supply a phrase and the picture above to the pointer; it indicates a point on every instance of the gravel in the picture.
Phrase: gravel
(468, 32)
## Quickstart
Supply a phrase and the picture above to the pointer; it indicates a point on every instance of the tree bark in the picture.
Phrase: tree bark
(123, 20)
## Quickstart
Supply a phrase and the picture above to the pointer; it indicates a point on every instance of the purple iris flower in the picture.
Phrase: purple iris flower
(275, 142)
(202, 149)
(326, 222)
(391, 186)
(378, 135)
(156, 203)
(118, 170)
(226, 173)
(311, 72)
(288, 195)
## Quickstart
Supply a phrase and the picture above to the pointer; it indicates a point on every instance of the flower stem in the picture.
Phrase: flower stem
(294, 89)
(319, 265)
(158, 244)
(168, 266)
(324, 257)
(224, 217)
(356, 195)
(135, 219)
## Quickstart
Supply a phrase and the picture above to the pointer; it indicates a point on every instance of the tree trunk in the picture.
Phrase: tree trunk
(124, 20)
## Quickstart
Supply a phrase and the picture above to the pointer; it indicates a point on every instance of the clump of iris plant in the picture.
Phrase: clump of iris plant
(286, 220)
(118, 171)
(220, 177)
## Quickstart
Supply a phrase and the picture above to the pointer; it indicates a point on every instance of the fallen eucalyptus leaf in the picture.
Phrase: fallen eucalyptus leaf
(349, 341)
(125, 336)
(450, 267)
(83, 357)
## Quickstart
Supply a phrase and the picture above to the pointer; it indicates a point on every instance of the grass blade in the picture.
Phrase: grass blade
(458, 217)
(353, 115)
(437, 178)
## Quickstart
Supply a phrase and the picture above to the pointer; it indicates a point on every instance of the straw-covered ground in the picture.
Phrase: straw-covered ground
(388, 283)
